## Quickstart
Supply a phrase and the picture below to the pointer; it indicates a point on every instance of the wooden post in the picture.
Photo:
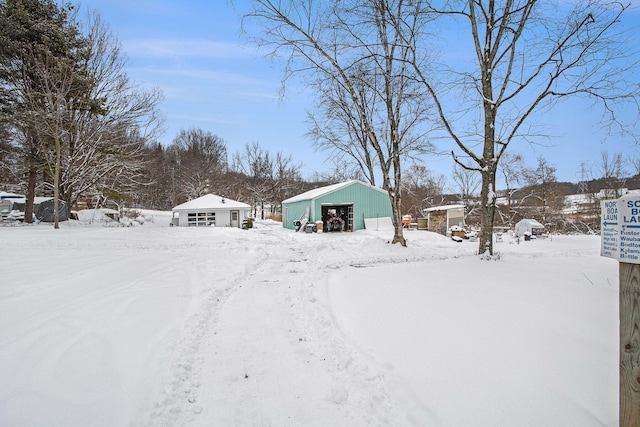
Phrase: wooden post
(629, 345)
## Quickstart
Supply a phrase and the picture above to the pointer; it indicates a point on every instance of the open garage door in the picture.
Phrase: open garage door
(337, 217)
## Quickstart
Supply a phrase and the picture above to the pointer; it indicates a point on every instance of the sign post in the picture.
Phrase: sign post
(620, 231)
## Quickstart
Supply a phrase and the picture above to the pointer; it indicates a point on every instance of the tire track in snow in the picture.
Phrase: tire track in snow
(180, 392)
(225, 371)
(359, 382)
(281, 327)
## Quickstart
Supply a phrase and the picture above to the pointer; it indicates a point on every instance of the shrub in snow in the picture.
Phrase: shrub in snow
(131, 213)
(495, 257)
(140, 219)
(128, 222)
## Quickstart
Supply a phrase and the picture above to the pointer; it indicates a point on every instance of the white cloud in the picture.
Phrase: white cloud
(196, 83)
(201, 49)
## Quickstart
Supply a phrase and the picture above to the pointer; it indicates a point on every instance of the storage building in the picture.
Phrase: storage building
(337, 207)
(530, 226)
(442, 218)
(210, 210)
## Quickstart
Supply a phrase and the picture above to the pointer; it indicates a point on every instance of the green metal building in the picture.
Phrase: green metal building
(353, 201)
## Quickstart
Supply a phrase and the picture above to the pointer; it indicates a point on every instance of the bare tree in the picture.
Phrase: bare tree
(467, 183)
(105, 151)
(257, 166)
(337, 127)
(542, 193)
(199, 161)
(612, 171)
(635, 165)
(157, 191)
(339, 170)
(107, 120)
(52, 105)
(511, 170)
(527, 55)
(271, 178)
(421, 190)
(358, 63)
(510, 167)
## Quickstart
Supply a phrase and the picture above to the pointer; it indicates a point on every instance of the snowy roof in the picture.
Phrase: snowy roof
(444, 208)
(5, 195)
(502, 201)
(211, 201)
(322, 191)
(38, 200)
(532, 222)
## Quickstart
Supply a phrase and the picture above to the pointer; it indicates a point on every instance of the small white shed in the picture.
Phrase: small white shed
(528, 226)
(210, 210)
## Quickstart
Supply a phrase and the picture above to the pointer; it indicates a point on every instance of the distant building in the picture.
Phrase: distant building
(11, 205)
(611, 193)
(352, 201)
(442, 218)
(530, 226)
(210, 210)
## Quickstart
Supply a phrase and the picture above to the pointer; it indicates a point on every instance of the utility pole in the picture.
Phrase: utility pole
(629, 345)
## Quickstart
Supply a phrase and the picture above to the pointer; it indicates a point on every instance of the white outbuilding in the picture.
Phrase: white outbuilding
(530, 226)
(210, 210)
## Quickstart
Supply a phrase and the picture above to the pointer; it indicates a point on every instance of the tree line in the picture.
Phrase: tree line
(197, 163)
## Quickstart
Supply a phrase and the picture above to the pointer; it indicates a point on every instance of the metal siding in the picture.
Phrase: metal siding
(295, 211)
(368, 203)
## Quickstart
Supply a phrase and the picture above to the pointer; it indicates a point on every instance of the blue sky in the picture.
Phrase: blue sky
(212, 79)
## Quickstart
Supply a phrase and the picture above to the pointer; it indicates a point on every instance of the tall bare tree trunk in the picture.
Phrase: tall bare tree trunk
(398, 236)
(32, 179)
(56, 183)
(488, 210)
(396, 200)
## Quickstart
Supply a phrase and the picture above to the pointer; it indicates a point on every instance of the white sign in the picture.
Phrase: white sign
(609, 230)
(620, 228)
(629, 223)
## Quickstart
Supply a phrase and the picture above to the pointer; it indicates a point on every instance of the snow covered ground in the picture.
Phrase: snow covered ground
(158, 325)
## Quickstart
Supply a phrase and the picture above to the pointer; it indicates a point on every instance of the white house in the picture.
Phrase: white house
(210, 210)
